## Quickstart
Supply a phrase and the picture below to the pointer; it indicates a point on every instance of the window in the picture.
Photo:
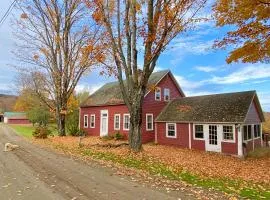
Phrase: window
(157, 94)
(199, 132)
(149, 122)
(257, 131)
(85, 122)
(166, 94)
(92, 121)
(117, 122)
(171, 130)
(126, 122)
(228, 133)
(247, 132)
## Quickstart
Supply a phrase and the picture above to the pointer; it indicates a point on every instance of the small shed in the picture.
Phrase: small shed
(16, 118)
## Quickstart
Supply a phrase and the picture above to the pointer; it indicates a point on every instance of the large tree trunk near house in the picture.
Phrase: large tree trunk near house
(62, 125)
(135, 131)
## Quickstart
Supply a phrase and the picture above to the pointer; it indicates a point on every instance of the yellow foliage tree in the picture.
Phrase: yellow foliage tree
(251, 29)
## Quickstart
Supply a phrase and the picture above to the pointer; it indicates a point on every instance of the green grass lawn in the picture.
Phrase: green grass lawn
(22, 130)
(27, 131)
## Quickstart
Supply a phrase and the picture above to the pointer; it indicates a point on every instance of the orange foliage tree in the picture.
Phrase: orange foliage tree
(251, 29)
(57, 44)
(140, 28)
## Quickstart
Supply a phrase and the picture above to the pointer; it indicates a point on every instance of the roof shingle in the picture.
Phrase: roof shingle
(228, 107)
(110, 93)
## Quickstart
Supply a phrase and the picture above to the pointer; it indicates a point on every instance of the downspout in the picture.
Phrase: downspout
(189, 136)
(252, 131)
(155, 132)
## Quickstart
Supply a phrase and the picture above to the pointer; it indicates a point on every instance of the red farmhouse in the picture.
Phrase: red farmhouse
(228, 123)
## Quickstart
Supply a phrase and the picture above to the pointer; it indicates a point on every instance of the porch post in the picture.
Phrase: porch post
(261, 127)
(240, 140)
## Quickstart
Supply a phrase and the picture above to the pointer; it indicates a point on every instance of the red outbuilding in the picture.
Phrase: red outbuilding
(227, 123)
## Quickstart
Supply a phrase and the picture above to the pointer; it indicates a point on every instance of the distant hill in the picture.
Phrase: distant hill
(266, 124)
(7, 102)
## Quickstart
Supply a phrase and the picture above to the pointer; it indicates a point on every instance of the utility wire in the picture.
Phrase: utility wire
(7, 12)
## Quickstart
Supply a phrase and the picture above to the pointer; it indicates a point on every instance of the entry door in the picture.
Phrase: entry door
(213, 142)
(103, 123)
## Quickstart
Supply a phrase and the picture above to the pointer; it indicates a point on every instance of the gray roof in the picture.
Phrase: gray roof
(228, 107)
(110, 93)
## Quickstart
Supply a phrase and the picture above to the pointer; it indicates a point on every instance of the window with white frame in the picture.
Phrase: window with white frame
(126, 123)
(257, 131)
(171, 130)
(149, 122)
(85, 121)
(247, 132)
(157, 94)
(92, 121)
(199, 132)
(166, 94)
(117, 122)
(228, 133)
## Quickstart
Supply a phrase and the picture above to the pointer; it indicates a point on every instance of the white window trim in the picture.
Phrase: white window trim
(194, 135)
(115, 121)
(156, 94)
(175, 127)
(124, 122)
(169, 94)
(248, 140)
(92, 115)
(85, 126)
(149, 114)
(234, 135)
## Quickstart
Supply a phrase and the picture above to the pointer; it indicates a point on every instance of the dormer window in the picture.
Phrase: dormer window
(157, 94)
(166, 94)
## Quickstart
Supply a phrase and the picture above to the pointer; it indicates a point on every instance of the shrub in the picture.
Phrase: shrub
(107, 137)
(72, 123)
(118, 136)
(39, 115)
(263, 152)
(41, 132)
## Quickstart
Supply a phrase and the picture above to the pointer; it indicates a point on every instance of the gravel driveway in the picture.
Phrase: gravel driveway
(32, 172)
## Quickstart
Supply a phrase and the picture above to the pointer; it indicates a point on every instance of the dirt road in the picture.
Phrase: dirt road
(31, 172)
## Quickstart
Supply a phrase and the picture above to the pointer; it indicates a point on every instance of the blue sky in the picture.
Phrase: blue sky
(197, 67)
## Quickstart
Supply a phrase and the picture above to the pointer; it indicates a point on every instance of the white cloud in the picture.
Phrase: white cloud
(186, 84)
(192, 46)
(248, 73)
(90, 88)
(206, 68)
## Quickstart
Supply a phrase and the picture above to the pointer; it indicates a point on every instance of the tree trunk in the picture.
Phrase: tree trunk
(135, 131)
(62, 124)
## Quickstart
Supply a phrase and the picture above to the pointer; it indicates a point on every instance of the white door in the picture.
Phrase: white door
(213, 138)
(103, 123)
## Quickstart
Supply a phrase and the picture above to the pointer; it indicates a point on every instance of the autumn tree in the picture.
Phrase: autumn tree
(250, 29)
(57, 44)
(140, 29)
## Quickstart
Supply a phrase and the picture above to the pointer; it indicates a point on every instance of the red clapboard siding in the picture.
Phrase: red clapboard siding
(18, 121)
(150, 106)
(230, 147)
(182, 135)
(197, 144)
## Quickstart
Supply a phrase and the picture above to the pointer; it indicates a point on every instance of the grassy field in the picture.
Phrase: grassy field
(27, 130)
